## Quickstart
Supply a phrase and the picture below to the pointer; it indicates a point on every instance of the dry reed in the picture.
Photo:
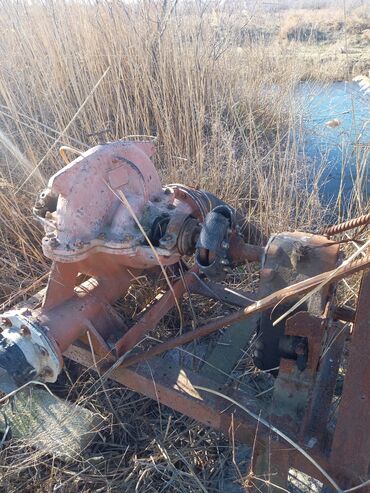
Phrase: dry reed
(218, 99)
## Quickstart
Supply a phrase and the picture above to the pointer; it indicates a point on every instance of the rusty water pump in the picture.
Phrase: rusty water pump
(108, 219)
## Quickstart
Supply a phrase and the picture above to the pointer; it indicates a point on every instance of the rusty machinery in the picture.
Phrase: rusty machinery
(107, 219)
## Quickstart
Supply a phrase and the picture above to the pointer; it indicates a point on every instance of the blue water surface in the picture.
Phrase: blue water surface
(343, 147)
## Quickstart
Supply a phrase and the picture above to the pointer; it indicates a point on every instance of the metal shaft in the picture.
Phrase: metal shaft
(69, 320)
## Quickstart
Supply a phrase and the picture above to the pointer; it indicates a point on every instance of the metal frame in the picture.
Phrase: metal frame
(343, 452)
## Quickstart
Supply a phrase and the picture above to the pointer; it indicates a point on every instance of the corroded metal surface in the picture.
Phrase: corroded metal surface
(175, 387)
(290, 258)
(315, 429)
(351, 442)
(294, 385)
(89, 216)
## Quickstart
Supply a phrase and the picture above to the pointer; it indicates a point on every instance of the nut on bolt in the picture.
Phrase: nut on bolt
(267, 274)
(6, 322)
(46, 372)
(25, 331)
(166, 238)
(44, 352)
(300, 349)
(53, 242)
(168, 241)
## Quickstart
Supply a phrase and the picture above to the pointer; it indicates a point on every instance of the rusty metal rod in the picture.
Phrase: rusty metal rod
(151, 317)
(340, 228)
(241, 251)
(270, 301)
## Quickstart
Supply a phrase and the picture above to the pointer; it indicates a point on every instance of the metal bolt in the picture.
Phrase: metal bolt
(312, 442)
(267, 274)
(300, 349)
(25, 331)
(225, 245)
(53, 242)
(47, 372)
(258, 355)
(166, 238)
(101, 236)
(6, 322)
(224, 261)
(43, 351)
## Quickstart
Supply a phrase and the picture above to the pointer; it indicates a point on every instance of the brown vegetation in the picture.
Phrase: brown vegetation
(216, 90)
(323, 24)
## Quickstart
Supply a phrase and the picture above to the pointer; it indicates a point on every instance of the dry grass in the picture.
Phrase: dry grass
(332, 43)
(215, 88)
(144, 447)
(323, 24)
(218, 122)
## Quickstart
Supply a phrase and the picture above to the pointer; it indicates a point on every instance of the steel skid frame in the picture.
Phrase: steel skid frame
(302, 401)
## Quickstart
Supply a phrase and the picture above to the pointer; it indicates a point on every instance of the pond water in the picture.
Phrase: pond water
(342, 144)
